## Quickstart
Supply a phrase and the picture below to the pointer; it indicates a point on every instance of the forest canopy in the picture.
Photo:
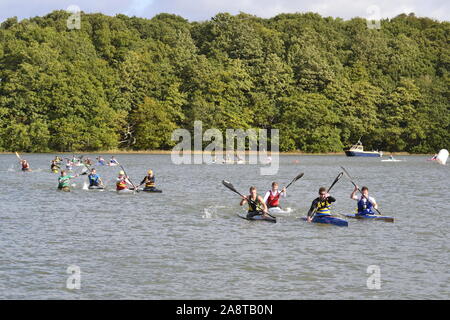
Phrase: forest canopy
(128, 82)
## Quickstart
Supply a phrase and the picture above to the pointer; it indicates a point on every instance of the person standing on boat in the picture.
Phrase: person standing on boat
(365, 202)
(322, 204)
(272, 197)
(255, 207)
(94, 180)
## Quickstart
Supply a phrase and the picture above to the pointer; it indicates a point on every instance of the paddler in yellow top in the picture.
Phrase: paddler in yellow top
(149, 181)
(256, 204)
(54, 167)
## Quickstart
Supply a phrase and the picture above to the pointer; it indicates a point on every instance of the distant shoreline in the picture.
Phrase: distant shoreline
(162, 152)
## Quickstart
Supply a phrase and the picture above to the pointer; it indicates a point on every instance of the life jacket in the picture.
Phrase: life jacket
(93, 179)
(121, 184)
(25, 165)
(273, 200)
(150, 182)
(323, 208)
(364, 206)
(254, 206)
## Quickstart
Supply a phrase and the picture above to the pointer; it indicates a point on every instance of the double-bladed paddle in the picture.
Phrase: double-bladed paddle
(123, 169)
(354, 184)
(339, 176)
(230, 186)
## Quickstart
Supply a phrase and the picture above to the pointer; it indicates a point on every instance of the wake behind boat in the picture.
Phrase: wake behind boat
(391, 159)
(279, 211)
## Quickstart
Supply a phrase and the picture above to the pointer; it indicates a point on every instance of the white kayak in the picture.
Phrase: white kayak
(125, 191)
(392, 160)
(279, 211)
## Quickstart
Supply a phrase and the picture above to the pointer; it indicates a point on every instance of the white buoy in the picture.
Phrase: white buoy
(442, 156)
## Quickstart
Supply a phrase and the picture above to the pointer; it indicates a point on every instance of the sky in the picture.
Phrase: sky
(205, 9)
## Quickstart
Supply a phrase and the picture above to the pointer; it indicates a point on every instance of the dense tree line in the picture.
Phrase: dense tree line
(128, 82)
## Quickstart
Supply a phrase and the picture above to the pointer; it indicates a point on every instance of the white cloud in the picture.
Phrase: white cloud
(205, 9)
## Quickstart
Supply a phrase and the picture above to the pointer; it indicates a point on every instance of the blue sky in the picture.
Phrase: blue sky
(205, 9)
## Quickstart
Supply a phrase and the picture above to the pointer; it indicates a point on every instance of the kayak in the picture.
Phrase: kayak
(370, 217)
(125, 191)
(150, 190)
(392, 160)
(259, 218)
(99, 188)
(328, 220)
(280, 211)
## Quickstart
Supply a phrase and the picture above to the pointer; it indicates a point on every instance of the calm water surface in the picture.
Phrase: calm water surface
(188, 243)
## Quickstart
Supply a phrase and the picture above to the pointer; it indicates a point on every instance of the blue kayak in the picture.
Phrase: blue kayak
(370, 217)
(259, 218)
(328, 220)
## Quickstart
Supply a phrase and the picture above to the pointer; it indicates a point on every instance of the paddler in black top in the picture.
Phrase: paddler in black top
(54, 167)
(149, 181)
(322, 204)
(255, 207)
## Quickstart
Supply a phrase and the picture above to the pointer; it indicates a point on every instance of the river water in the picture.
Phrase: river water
(188, 243)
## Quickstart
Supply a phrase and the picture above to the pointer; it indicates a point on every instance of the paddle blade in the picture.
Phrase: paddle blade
(228, 185)
(295, 179)
(336, 180)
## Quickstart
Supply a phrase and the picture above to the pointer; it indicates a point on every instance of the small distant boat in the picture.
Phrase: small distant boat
(357, 150)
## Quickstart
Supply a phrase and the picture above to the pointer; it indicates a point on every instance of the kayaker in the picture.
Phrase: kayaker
(149, 181)
(94, 179)
(113, 161)
(25, 165)
(272, 197)
(255, 207)
(365, 202)
(69, 165)
(101, 161)
(64, 181)
(122, 182)
(322, 204)
(54, 167)
(87, 162)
